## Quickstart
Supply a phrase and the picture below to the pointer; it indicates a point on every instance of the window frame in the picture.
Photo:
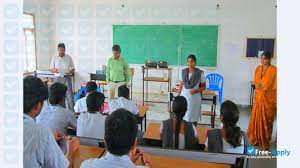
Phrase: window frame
(34, 31)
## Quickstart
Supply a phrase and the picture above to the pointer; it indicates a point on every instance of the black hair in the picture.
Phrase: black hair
(116, 48)
(179, 108)
(94, 101)
(34, 91)
(91, 86)
(230, 113)
(267, 55)
(193, 57)
(120, 132)
(123, 91)
(61, 45)
(57, 93)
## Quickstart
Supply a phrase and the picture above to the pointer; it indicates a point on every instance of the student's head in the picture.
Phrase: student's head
(179, 107)
(266, 58)
(120, 132)
(116, 50)
(91, 86)
(123, 91)
(35, 93)
(57, 94)
(94, 101)
(229, 117)
(191, 61)
(61, 49)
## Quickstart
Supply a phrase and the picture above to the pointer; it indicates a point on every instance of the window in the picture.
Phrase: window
(29, 38)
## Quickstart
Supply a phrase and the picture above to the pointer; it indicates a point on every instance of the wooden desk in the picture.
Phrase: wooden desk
(84, 153)
(174, 162)
(87, 152)
(153, 133)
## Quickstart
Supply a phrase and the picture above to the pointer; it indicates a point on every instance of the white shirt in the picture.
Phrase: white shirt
(109, 161)
(122, 102)
(39, 147)
(227, 148)
(80, 105)
(63, 64)
(181, 143)
(91, 125)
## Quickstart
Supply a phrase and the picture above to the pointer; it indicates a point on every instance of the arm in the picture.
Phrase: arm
(53, 156)
(127, 73)
(72, 67)
(52, 66)
(72, 146)
(107, 71)
(201, 87)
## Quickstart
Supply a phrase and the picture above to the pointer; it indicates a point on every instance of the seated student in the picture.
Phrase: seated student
(80, 105)
(230, 138)
(120, 137)
(91, 123)
(56, 116)
(176, 132)
(39, 145)
(123, 101)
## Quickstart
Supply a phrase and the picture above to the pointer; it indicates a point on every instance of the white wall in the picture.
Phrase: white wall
(86, 28)
(40, 10)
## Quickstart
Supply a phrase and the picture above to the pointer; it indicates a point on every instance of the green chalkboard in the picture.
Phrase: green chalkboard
(171, 43)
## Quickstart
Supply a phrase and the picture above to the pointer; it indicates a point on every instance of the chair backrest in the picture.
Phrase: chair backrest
(215, 82)
(97, 77)
(90, 141)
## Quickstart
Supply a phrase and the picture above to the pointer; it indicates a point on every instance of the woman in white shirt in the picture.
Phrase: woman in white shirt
(192, 84)
(91, 123)
(230, 138)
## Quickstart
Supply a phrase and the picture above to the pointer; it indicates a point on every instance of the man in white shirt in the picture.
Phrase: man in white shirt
(120, 137)
(91, 123)
(39, 145)
(123, 101)
(63, 66)
(80, 105)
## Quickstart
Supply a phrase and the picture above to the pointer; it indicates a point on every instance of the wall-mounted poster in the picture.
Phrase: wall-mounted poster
(256, 46)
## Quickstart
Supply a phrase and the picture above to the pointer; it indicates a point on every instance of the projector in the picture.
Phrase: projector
(152, 64)
(162, 64)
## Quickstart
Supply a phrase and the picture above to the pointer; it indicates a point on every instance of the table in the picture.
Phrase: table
(153, 133)
(84, 153)
(252, 88)
(158, 161)
(49, 75)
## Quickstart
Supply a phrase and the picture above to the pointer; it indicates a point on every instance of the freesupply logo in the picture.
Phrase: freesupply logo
(254, 153)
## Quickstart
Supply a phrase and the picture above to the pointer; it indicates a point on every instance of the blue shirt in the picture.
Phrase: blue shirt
(109, 161)
(40, 148)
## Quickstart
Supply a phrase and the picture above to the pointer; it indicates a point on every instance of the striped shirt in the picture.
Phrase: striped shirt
(122, 102)
(57, 117)
(109, 161)
(80, 105)
(40, 148)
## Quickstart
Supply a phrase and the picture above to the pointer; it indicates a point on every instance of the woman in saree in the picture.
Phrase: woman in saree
(264, 107)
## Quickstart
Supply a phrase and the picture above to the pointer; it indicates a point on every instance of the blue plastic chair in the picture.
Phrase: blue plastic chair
(215, 83)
